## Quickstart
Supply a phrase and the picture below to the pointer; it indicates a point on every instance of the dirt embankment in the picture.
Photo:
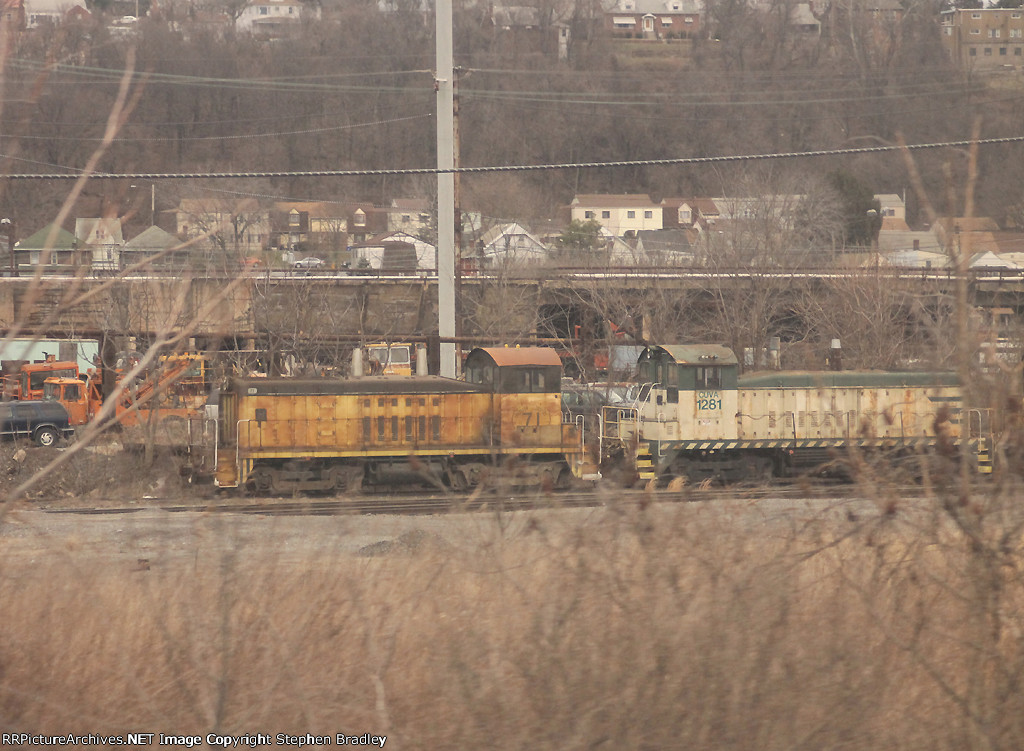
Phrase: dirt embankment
(102, 473)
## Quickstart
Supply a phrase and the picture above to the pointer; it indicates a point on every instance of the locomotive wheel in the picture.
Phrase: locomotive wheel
(348, 479)
(261, 481)
(457, 479)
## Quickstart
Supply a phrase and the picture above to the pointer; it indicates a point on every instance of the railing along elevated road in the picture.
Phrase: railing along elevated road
(389, 302)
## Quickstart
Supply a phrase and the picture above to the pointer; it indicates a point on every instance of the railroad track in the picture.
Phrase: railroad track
(436, 503)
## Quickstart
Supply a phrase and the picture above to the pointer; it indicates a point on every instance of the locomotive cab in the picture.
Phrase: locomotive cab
(534, 376)
(691, 392)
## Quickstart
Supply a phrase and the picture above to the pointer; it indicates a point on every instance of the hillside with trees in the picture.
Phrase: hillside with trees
(355, 90)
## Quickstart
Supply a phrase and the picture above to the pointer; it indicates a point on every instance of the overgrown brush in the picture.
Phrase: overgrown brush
(681, 626)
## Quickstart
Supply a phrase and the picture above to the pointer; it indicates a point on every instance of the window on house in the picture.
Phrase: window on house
(975, 15)
(648, 215)
(606, 215)
(973, 52)
(975, 31)
(1002, 51)
(667, 21)
(687, 20)
(360, 218)
(588, 214)
(988, 52)
(631, 215)
(264, 10)
(1016, 51)
(1015, 15)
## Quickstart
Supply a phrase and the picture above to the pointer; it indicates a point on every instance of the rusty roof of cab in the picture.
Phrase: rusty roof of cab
(519, 356)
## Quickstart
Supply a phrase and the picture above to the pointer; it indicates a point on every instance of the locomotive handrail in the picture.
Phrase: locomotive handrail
(238, 448)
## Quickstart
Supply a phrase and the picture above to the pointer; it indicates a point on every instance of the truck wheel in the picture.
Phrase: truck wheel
(46, 437)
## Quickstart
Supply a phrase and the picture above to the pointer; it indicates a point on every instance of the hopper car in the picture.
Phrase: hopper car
(693, 416)
(504, 419)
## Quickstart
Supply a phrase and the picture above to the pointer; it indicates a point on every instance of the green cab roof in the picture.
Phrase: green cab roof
(695, 354)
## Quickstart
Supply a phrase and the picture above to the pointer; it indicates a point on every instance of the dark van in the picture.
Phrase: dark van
(44, 422)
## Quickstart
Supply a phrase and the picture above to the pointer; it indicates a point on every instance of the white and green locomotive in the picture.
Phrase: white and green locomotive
(695, 416)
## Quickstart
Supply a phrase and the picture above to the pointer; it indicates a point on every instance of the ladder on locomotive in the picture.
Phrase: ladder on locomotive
(620, 429)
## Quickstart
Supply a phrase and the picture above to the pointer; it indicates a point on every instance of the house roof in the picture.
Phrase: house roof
(613, 200)
(396, 236)
(410, 204)
(206, 206)
(63, 240)
(152, 238)
(99, 231)
(706, 206)
(677, 240)
(659, 7)
(54, 7)
(315, 209)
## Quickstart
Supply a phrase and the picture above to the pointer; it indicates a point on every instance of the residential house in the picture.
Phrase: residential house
(394, 250)
(13, 14)
(510, 244)
(656, 19)
(622, 215)
(527, 29)
(319, 228)
(893, 210)
(665, 247)
(154, 248)
(984, 37)
(53, 12)
(412, 215)
(102, 239)
(52, 247)
(688, 213)
(239, 226)
(275, 19)
(364, 220)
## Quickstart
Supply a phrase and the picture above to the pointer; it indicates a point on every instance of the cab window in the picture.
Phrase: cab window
(709, 378)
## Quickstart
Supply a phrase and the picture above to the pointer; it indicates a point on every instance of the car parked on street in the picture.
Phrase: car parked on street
(308, 263)
(44, 422)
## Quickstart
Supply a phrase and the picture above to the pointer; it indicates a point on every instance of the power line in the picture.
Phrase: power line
(681, 161)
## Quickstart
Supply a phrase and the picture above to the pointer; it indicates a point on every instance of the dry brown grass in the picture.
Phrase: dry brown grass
(685, 626)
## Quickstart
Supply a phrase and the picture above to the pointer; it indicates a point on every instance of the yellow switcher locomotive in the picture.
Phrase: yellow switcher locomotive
(290, 435)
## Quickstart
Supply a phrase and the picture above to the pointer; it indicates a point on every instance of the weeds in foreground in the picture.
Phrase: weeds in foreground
(682, 626)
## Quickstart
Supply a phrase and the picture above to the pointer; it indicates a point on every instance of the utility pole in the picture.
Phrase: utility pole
(444, 85)
(457, 214)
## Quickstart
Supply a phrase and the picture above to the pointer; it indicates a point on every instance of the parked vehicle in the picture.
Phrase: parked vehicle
(46, 423)
(309, 263)
(27, 382)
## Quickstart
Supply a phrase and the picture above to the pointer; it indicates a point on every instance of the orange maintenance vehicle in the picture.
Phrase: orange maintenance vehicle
(165, 399)
(26, 383)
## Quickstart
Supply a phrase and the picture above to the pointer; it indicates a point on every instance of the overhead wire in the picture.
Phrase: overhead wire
(680, 161)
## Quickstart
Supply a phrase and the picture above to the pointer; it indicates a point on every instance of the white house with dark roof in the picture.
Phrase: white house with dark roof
(655, 19)
(275, 18)
(52, 12)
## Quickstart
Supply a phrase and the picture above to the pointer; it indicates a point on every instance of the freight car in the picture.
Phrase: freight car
(695, 417)
(289, 435)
